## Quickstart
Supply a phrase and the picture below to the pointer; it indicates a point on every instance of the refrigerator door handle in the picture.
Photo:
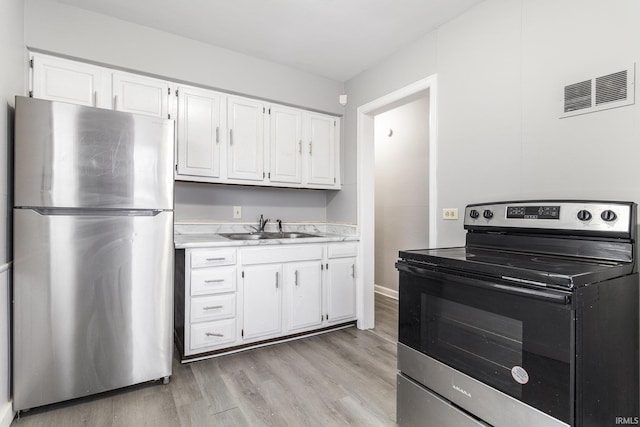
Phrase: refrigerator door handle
(96, 212)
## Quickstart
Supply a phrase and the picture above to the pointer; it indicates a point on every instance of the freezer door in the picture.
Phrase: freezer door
(92, 304)
(70, 156)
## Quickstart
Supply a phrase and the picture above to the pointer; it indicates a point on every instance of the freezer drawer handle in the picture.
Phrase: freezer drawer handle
(213, 334)
(212, 307)
(94, 212)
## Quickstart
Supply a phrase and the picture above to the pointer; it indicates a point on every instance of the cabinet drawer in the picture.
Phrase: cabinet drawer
(213, 307)
(213, 280)
(212, 334)
(342, 250)
(211, 258)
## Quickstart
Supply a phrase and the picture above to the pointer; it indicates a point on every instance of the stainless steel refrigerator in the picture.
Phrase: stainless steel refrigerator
(93, 251)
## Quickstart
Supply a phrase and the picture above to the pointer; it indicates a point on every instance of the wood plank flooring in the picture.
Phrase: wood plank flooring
(345, 377)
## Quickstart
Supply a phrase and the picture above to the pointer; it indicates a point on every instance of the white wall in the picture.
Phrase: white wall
(402, 186)
(70, 31)
(501, 67)
(194, 201)
(12, 80)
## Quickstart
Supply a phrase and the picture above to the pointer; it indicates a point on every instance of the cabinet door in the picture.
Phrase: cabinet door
(341, 289)
(262, 295)
(199, 132)
(285, 144)
(321, 146)
(63, 80)
(141, 95)
(304, 294)
(246, 139)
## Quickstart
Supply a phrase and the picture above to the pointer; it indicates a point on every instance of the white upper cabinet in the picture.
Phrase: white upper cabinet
(320, 140)
(62, 80)
(245, 154)
(58, 79)
(199, 132)
(220, 138)
(133, 93)
(285, 139)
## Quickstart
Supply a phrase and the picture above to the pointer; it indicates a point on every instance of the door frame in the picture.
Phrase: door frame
(365, 141)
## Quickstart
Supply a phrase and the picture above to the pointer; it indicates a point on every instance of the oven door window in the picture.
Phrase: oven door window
(518, 344)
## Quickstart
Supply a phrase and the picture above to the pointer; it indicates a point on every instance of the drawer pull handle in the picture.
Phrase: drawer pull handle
(213, 334)
(216, 259)
(277, 277)
(212, 307)
(296, 277)
(214, 281)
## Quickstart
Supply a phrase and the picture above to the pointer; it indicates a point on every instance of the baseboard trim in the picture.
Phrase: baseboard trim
(386, 291)
(6, 414)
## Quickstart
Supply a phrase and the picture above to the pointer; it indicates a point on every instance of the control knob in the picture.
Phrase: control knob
(584, 215)
(487, 214)
(608, 215)
(474, 214)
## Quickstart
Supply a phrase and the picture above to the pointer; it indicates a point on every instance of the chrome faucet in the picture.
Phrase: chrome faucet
(262, 222)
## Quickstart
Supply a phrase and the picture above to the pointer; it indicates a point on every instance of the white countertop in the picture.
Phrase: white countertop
(206, 235)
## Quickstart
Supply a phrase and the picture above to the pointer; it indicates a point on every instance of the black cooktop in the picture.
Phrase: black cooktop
(531, 268)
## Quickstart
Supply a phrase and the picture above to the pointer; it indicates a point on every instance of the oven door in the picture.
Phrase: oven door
(517, 340)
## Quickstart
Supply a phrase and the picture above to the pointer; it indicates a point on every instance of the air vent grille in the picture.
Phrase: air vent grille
(599, 93)
(611, 88)
(577, 96)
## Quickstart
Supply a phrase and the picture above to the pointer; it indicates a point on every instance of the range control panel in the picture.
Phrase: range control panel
(558, 215)
(533, 212)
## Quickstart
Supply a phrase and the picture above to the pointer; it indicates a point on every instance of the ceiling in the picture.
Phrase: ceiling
(337, 39)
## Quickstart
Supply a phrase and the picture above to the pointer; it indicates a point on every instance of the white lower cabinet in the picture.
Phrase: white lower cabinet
(238, 297)
(341, 282)
(303, 294)
(262, 307)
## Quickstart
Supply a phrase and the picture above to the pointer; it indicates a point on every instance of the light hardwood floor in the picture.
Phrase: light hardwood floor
(346, 377)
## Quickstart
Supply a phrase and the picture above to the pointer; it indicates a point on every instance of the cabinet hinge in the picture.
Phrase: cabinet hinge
(31, 63)
(176, 168)
(269, 175)
(327, 266)
(30, 94)
(176, 92)
(168, 91)
(321, 266)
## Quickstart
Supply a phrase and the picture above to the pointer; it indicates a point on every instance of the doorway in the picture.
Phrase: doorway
(366, 188)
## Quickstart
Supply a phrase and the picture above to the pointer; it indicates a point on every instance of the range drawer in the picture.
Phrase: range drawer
(213, 280)
(212, 334)
(213, 257)
(213, 307)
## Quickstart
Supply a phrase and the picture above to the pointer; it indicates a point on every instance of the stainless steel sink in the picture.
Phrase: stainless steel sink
(266, 235)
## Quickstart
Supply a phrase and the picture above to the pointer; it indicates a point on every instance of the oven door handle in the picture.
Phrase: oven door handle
(557, 297)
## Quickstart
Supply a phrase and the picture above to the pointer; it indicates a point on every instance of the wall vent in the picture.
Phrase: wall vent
(600, 93)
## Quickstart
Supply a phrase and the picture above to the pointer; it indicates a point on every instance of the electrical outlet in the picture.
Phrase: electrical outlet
(450, 213)
(237, 212)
